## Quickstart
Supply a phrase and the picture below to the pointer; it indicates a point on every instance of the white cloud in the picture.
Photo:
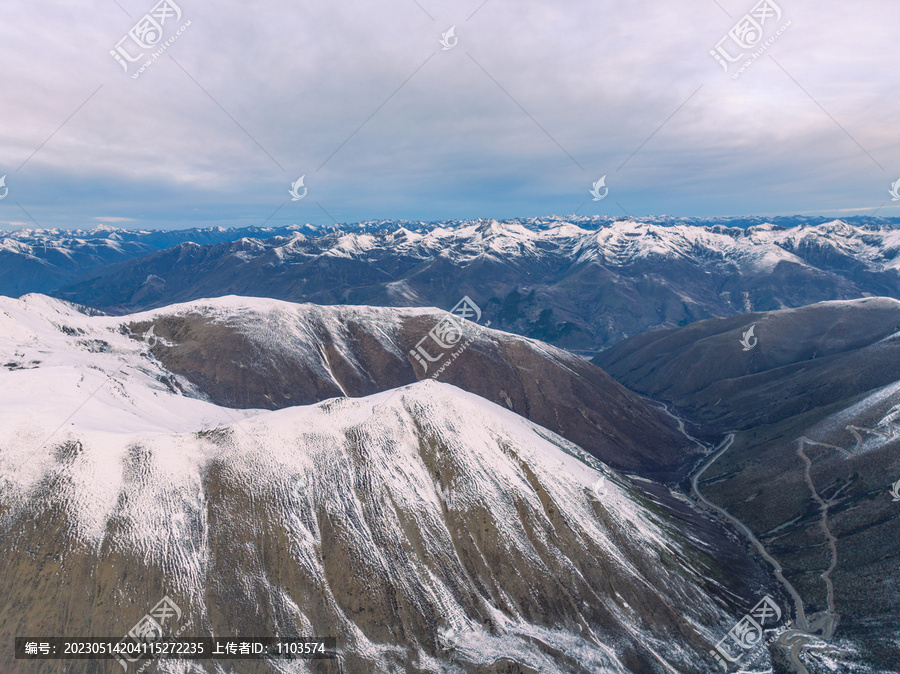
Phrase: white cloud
(301, 77)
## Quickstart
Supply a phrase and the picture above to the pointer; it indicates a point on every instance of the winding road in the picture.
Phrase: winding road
(832, 540)
(793, 640)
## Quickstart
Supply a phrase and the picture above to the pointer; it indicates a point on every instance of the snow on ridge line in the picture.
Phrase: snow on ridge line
(32, 302)
(225, 302)
(877, 301)
(253, 317)
(755, 248)
(225, 309)
(262, 453)
(40, 301)
(495, 455)
(52, 343)
(529, 228)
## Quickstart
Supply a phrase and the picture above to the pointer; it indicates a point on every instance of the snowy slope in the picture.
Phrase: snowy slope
(257, 352)
(384, 521)
(264, 353)
(46, 344)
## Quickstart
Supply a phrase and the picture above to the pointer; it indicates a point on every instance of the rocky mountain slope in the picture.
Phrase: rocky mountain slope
(814, 406)
(580, 289)
(426, 528)
(262, 353)
(813, 357)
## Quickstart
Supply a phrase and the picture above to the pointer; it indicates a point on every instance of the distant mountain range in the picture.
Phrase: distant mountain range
(41, 260)
(581, 283)
(579, 289)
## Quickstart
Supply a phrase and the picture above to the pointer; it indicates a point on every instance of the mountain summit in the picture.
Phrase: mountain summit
(424, 527)
(576, 288)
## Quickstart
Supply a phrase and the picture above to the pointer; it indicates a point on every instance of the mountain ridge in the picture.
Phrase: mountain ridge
(260, 353)
(578, 289)
(429, 529)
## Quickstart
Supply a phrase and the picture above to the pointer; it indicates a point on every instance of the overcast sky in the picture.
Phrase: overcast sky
(535, 101)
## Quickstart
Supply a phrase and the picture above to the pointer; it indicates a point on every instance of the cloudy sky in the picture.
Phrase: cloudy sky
(535, 101)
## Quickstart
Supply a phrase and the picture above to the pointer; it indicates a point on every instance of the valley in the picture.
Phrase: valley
(369, 471)
(805, 468)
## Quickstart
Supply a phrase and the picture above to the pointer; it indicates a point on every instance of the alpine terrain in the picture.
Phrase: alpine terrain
(806, 405)
(425, 527)
(578, 283)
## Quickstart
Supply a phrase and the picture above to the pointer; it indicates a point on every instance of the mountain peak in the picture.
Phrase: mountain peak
(489, 227)
(392, 518)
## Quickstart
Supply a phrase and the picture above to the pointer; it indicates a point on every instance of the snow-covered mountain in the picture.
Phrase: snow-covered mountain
(425, 527)
(40, 260)
(581, 289)
(263, 353)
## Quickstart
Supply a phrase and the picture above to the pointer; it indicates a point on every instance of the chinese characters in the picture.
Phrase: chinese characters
(747, 34)
(146, 34)
(747, 632)
(447, 334)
